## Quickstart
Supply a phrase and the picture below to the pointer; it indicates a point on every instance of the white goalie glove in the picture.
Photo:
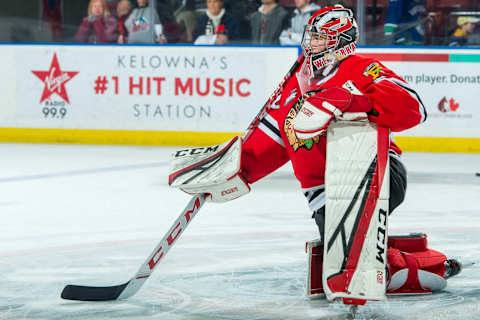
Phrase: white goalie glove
(346, 103)
(213, 170)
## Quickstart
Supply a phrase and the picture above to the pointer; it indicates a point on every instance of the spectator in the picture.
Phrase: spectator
(466, 25)
(112, 7)
(99, 26)
(293, 35)
(52, 18)
(403, 25)
(186, 15)
(267, 23)
(241, 11)
(216, 26)
(124, 8)
(172, 30)
(140, 27)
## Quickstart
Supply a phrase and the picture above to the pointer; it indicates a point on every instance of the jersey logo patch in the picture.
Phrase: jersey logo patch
(295, 142)
(373, 70)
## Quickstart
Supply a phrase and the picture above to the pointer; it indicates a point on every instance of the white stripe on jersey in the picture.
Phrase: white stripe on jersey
(315, 197)
(318, 202)
(411, 92)
(269, 132)
(392, 140)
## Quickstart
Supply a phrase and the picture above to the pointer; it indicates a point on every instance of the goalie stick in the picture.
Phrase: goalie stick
(129, 288)
(268, 105)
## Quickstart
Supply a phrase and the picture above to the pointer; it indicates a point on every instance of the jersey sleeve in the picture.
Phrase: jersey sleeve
(395, 104)
(264, 152)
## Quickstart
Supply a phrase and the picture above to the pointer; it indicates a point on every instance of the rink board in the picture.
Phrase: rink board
(188, 95)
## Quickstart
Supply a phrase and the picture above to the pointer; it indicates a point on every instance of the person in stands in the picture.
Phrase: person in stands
(303, 11)
(466, 26)
(268, 22)
(143, 25)
(216, 26)
(124, 8)
(99, 26)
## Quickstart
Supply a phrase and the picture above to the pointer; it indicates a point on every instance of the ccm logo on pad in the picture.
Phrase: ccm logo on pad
(228, 191)
(194, 151)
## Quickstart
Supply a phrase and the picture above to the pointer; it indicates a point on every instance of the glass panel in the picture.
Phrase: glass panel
(383, 22)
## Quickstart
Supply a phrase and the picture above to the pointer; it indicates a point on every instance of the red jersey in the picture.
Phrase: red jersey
(273, 142)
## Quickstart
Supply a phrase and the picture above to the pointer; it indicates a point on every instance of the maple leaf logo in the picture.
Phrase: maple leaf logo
(54, 80)
(453, 104)
(441, 105)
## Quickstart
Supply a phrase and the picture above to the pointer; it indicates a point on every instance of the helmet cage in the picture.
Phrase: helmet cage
(318, 41)
(335, 29)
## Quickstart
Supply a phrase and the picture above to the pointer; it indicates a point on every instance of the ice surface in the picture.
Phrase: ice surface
(90, 215)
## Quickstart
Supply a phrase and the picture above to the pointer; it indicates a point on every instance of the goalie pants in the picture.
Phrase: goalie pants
(398, 187)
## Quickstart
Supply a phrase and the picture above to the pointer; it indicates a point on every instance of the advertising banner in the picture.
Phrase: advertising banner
(149, 94)
(451, 94)
(145, 88)
(447, 81)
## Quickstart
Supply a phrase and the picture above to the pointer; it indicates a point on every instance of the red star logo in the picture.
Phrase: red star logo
(55, 80)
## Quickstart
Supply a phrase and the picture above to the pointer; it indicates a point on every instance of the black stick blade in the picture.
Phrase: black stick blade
(84, 293)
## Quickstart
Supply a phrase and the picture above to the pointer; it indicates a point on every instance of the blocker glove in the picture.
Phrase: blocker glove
(320, 109)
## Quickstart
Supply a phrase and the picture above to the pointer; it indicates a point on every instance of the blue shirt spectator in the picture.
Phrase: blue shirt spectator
(403, 22)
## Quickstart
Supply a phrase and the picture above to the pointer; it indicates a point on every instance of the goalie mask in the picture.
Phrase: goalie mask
(329, 37)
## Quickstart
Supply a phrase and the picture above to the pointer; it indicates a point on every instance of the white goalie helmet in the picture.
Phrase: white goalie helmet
(330, 35)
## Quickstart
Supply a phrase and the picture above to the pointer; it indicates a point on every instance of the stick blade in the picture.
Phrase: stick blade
(85, 293)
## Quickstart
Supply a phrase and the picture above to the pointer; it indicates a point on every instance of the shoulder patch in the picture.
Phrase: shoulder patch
(373, 70)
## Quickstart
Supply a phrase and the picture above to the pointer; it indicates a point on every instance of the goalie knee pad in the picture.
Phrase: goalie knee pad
(314, 251)
(319, 217)
(413, 267)
(398, 181)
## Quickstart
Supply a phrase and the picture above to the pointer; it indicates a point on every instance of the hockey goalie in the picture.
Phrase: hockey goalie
(334, 120)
